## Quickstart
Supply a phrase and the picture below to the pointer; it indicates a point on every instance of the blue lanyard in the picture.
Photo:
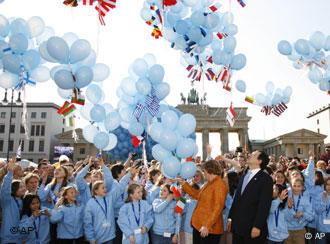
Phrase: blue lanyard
(137, 219)
(36, 231)
(295, 208)
(18, 206)
(277, 214)
(327, 209)
(105, 211)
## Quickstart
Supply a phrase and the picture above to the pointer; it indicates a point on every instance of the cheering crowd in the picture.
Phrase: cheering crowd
(236, 198)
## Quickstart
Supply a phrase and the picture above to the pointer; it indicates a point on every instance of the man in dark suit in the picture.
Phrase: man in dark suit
(248, 214)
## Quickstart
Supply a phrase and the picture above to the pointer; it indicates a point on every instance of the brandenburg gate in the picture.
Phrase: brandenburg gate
(210, 120)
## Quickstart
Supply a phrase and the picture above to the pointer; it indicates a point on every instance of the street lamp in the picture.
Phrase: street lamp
(5, 102)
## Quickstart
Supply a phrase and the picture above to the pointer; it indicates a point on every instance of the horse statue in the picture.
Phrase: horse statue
(203, 99)
(193, 97)
(183, 98)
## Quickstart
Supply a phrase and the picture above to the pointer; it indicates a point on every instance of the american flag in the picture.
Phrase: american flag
(231, 115)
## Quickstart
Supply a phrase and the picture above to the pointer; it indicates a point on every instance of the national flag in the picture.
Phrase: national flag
(169, 3)
(88, 2)
(104, 6)
(66, 109)
(189, 67)
(279, 109)
(152, 103)
(249, 99)
(181, 201)
(231, 115)
(137, 140)
(267, 110)
(215, 7)
(71, 3)
(242, 3)
(156, 33)
(221, 35)
(138, 111)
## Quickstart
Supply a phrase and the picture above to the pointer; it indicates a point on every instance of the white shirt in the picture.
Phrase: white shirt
(253, 172)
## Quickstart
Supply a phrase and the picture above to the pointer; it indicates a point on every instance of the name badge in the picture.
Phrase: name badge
(166, 234)
(137, 231)
(326, 221)
(106, 225)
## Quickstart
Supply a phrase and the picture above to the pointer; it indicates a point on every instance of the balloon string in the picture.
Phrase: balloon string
(229, 6)
(98, 33)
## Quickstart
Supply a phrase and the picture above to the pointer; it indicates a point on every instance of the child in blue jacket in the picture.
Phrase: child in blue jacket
(11, 193)
(69, 216)
(322, 207)
(276, 222)
(99, 219)
(135, 217)
(34, 224)
(166, 225)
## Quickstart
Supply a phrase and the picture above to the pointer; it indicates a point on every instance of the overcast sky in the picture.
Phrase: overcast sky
(261, 25)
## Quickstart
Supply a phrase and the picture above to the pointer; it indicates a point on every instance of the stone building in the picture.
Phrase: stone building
(320, 122)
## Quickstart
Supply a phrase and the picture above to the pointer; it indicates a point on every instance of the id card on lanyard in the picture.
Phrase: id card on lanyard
(106, 223)
(137, 219)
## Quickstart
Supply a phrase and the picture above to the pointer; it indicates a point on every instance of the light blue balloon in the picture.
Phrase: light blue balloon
(284, 47)
(188, 170)
(11, 63)
(126, 114)
(100, 72)
(155, 131)
(97, 113)
(8, 80)
(206, 40)
(3, 45)
(112, 121)
(324, 85)
(317, 40)
(112, 142)
(302, 47)
(231, 29)
(89, 133)
(40, 74)
(229, 44)
(198, 18)
(156, 73)
(171, 166)
(64, 79)
(169, 119)
(181, 27)
(31, 59)
(168, 139)
(162, 109)
(270, 87)
(4, 26)
(327, 44)
(19, 26)
(212, 20)
(225, 58)
(162, 90)
(160, 153)
(287, 91)
(57, 68)
(240, 86)
(79, 50)
(195, 34)
(84, 76)
(315, 75)
(44, 53)
(89, 61)
(70, 38)
(145, 14)
(58, 49)
(101, 140)
(260, 99)
(128, 86)
(93, 93)
(185, 148)
(135, 128)
(180, 43)
(238, 62)
(186, 125)
(143, 86)
(18, 43)
(140, 67)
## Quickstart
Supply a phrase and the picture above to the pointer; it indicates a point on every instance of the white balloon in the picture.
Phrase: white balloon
(112, 142)
(36, 26)
(100, 72)
(40, 74)
(65, 94)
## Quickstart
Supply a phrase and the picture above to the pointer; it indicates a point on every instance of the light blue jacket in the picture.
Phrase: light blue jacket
(314, 193)
(321, 208)
(69, 221)
(120, 201)
(153, 194)
(165, 219)
(84, 187)
(36, 229)
(187, 214)
(11, 207)
(305, 207)
(99, 220)
(45, 193)
(225, 212)
(279, 232)
(127, 221)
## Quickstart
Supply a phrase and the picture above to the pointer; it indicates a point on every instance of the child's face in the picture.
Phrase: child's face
(35, 204)
(155, 177)
(295, 175)
(327, 186)
(32, 184)
(59, 173)
(164, 192)
(275, 191)
(101, 191)
(279, 178)
(71, 195)
(96, 176)
(297, 187)
(21, 190)
(137, 195)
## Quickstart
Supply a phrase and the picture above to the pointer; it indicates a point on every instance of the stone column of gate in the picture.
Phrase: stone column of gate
(224, 141)
(243, 137)
(205, 142)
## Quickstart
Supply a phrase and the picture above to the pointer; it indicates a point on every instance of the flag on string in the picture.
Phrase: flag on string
(231, 115)
(71, 3)
(66, 109)
(249, 99)
(242, 3)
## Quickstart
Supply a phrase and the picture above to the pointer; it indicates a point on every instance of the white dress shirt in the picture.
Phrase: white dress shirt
(253, 173)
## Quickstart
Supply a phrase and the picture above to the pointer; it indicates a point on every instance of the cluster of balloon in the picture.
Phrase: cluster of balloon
(140, 94)
(312, 54)
(274, 101)
(125, 146)
(102, 6)
(20, 60)
(175, 147)
(204, 36)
